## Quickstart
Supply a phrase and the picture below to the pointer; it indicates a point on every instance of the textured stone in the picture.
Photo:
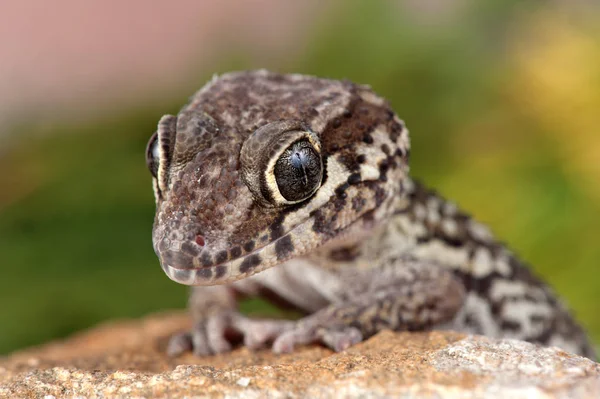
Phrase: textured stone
(125, 359)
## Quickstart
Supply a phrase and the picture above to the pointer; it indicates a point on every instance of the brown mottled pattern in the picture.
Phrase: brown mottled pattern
(366, 248)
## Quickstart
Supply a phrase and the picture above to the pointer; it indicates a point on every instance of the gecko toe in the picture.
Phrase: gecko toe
(179, 343)
(215, 337)
(200, 344)
(257, 333)
(286, 342)
(337, 338)
(340, 339)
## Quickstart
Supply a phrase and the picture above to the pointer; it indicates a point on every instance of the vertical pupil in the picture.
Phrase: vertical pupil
(299, 160)
(298, 171)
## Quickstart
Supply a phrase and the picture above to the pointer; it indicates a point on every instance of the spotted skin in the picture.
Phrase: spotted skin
(311, 176)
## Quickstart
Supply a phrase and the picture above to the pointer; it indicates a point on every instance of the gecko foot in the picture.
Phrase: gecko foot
(337, 338)
(218, 332)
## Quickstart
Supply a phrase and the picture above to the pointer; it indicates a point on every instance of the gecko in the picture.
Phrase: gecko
(297, 189)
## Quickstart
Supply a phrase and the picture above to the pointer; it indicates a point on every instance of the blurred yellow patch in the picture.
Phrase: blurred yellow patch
(557, 82)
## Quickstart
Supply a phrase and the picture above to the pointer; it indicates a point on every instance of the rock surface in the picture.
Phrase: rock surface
(125, 359)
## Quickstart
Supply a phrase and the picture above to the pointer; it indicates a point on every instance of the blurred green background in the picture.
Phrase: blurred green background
(502, 99)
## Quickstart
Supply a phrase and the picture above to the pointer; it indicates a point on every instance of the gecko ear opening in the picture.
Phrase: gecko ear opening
(282, 163)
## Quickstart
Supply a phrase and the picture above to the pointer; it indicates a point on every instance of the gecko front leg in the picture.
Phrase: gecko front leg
(217, 322)
(404, 295)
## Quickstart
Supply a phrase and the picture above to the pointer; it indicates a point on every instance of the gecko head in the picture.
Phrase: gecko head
(260, 167)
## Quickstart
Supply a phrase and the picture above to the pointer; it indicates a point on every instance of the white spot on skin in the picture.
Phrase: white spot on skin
(502, 265)
(521, 312)
(449, 227)
(437, 251)
(433, 206)
(449, 208)
(480, 309)
(482, 263)
(372, 98)
(507, 288)
(369, 172)
(411, 229)
(373, 153)
(433, 203)
(409, 185)
(228, 118)
(433, 216)
(420, 212)
(479, 231)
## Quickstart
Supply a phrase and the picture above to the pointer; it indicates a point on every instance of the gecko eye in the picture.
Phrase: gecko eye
(152, 155)
(160, 151)
(281, 163)
(298, 171)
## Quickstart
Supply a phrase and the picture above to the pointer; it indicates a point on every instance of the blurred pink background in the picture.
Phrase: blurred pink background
(63, 53)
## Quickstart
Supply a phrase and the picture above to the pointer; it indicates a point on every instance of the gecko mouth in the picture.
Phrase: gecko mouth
(271, 254)
(278, 251)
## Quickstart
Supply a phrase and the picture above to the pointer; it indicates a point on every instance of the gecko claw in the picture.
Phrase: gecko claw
(340, 340)
(335, 338)
(179, 343)
(217, 334)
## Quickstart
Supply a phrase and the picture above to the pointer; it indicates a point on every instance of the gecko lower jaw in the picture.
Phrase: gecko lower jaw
(229, 271)
(269, 255)
(259, 259)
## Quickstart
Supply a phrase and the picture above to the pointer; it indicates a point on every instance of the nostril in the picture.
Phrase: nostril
(200, 240)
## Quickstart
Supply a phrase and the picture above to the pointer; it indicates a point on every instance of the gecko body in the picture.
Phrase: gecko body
(296, 188)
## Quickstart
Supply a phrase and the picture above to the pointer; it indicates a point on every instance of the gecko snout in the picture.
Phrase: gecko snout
(177, 259)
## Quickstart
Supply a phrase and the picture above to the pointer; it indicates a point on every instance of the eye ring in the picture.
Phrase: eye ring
(153, 155)
(282, 163)
(160, 150)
